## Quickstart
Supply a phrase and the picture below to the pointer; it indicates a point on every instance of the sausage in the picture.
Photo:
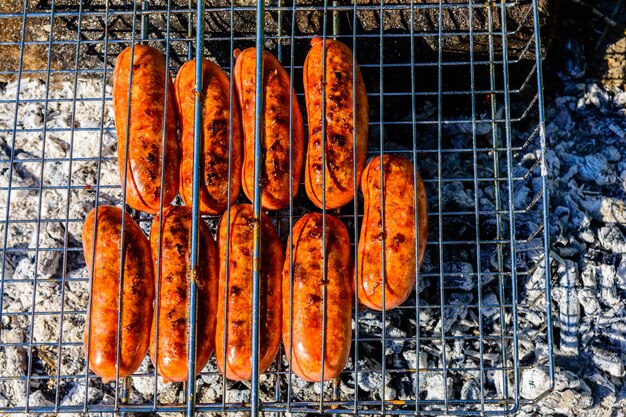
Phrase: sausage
(216, 125)
(173, 297)
(275, 138)
(303, 346)
(236, 328)
(399, 234)
(145, 128)
(340, 124)
(137, 293)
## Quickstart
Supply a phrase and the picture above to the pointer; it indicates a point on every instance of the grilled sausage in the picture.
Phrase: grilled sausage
(236, 329)
(275, 138)
(100, 337)
(303, 345)
(399, 234)
(216, 125)
(340, 124)
(173, 297)
(144, 128)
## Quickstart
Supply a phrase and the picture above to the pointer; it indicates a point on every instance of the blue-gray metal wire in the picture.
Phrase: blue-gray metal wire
(195, 213)
(503, 142)
(256, 202)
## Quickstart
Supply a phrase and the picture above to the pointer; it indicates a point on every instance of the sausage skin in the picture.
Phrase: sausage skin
(303, 347)
(216, 122)
(137, 292)
(275, 144)
(237, 328)
(340, 124)
(173, 297)
(399, 234)
(145, 128)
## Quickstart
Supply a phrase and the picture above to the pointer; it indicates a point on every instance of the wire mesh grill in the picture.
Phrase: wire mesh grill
(472, 121)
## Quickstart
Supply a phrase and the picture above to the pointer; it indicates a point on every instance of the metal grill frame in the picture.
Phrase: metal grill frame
(499, 64)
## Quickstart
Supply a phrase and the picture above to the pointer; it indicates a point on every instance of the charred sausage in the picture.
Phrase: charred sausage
(100, 338)
(398, 236)
(170, 358)
(303, 343)
(216, 125)
(341, 144)
(235, 329)
(276, 139)
(143, 128)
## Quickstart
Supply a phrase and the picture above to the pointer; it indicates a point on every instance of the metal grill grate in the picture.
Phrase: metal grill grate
(472, 120)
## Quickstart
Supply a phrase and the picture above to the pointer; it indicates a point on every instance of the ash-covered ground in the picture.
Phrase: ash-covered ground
(586, 133)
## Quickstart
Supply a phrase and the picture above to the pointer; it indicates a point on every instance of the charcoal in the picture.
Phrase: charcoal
(77, 394)
(451, 315)
(607, 359)
(612, 239)
(575, 64)
(459, 276)
(51, 237)
(566, 295)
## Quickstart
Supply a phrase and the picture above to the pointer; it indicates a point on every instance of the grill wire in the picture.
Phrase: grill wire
(416, 100)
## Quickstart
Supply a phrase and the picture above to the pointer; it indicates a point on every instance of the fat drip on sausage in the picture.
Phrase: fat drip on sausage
(175, 276)
(139, 125)
(101, 328)
(234, 312)
(302, 331)
(399, 235)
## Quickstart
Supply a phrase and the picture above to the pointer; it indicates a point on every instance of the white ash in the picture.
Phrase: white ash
(33, 271)
(534, 382)
(432, 384)
(586, 136)
(80, 391)
(373, 382)
(597, 170)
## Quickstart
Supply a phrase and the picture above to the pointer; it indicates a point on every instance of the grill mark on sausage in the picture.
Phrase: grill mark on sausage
(181, 292)
(179, 324)
(218, 126)
(132, 326)
(136, 285)
(398, 239)
(313, 299)
(338, 140)
(299, 272)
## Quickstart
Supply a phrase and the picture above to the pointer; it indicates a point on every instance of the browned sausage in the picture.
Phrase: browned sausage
(145, 128)
(275, 139)
(173, 298)
(137, 293)
(399, 235)
(304, 344)
(237, 328)
(340, 124)
(216, 123)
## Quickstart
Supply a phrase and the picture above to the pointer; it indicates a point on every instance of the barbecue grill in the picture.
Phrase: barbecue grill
(455, 86)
